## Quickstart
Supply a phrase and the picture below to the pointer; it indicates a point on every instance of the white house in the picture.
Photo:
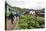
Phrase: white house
(32, 12)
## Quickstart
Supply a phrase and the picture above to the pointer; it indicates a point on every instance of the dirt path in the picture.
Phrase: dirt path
(9, 25)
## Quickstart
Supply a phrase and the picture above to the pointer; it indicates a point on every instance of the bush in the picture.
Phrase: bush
(29, 22)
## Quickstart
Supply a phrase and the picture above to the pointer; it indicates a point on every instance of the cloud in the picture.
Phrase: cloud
(27, 3)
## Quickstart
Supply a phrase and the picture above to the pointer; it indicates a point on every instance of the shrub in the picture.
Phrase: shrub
(29, 22)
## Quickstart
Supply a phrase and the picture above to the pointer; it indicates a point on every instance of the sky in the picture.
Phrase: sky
(35, 4)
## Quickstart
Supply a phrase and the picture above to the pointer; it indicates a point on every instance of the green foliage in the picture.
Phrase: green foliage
(29, 22)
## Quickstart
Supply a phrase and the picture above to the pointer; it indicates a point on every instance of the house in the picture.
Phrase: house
(30, 12)
(38, 12)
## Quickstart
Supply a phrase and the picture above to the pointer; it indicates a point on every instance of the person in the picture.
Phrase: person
(17, 16)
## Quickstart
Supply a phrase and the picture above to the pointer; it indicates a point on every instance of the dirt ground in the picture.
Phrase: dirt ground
(11, 26)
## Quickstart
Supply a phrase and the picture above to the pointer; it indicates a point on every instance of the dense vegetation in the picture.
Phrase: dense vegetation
(29, 22)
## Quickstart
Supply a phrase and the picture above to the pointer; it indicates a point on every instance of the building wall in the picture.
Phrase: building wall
(32, 12)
